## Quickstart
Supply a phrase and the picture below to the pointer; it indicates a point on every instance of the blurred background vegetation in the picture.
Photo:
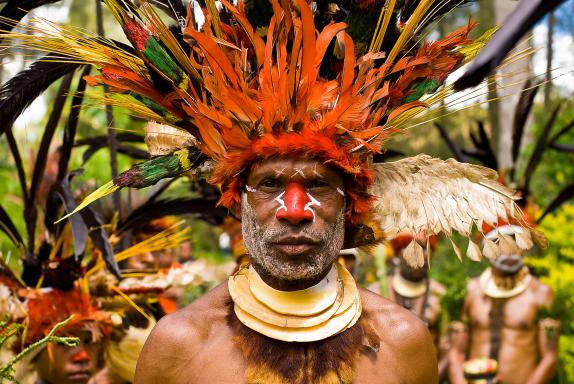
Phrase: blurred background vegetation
(553, 63)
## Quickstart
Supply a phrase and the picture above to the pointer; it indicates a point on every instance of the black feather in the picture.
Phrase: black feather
(205, 209)
(524, 16)
(30, 208)
(13, 146)
(53, 203)
(173, 8)
(386, 155)
(7, 226)
(79, 228)
(21, 90)
(565, 195)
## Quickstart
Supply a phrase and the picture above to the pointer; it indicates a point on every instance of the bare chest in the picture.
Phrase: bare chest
(517, 313)
(223, 363)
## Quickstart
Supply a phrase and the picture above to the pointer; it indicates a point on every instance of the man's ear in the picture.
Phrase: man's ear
(235, 211)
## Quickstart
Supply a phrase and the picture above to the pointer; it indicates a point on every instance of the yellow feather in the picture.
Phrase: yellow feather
(103, 191)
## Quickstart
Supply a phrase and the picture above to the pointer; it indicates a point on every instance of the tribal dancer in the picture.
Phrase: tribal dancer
(287, 126)
(501, 311)
(413, 289)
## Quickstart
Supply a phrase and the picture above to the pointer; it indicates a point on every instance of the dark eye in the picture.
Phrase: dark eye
(318, 183)
(270, 183)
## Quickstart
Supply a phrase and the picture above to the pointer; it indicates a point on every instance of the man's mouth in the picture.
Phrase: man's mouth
(294, 245)
(80, 376)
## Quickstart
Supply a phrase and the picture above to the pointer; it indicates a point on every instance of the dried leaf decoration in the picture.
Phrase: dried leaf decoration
(414, 255)
(473, 251)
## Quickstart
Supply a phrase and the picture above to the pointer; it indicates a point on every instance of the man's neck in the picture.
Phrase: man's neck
(290, 285)
(508, 281)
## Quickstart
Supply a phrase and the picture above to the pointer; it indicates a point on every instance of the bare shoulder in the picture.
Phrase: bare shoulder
(473, 286)
(405, 340)
(542, 292)
(194, 321)
(177, 338)
(396, 325)
(437, 288)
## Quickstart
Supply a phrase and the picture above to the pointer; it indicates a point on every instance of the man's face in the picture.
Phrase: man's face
(293, 218)
(507, 264)
(60, 364)
(413, 274)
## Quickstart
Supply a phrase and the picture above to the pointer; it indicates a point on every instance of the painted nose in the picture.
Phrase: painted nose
(81, 356)
(295, 199)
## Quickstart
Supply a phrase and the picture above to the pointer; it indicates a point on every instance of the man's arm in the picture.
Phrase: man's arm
(459, 343)
(548, 333)
(167, 352)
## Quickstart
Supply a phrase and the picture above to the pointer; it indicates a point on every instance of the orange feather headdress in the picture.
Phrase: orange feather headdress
(223, 98)
(245, 98)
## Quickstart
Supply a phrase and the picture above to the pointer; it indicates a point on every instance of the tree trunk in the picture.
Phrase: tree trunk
(549, 59)
(512, 78)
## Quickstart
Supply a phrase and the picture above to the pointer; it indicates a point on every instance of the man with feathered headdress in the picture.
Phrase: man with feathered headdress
(287, 126)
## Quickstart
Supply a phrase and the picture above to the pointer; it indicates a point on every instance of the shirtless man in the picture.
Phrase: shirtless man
(293, 224)
(501, 309)
(412, 289)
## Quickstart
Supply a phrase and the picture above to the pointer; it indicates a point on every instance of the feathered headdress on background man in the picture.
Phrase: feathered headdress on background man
(224, 98)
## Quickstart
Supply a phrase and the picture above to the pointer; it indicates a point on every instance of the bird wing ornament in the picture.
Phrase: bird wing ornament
(424, 196)
(235, 93)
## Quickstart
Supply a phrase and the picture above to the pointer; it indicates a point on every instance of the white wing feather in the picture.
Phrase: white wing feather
(425, 196)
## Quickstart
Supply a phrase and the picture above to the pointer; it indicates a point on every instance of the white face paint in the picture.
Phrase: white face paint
(281, 202)
(298, 171)
(250, 189)
(312, 201)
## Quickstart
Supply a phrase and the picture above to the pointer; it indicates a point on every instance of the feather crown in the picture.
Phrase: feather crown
(298, 92)
(246, 98)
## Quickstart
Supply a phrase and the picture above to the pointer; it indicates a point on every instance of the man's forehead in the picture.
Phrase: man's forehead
(290, 167)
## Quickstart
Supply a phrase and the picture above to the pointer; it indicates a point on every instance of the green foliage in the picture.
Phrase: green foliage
(454, 275)
(555, 267)
(556, 169)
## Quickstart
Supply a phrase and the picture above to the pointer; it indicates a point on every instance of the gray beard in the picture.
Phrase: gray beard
(258, 242)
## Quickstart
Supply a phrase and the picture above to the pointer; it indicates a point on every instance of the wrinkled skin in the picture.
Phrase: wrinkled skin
(291, 248)
(306, 241)
(60, 364)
